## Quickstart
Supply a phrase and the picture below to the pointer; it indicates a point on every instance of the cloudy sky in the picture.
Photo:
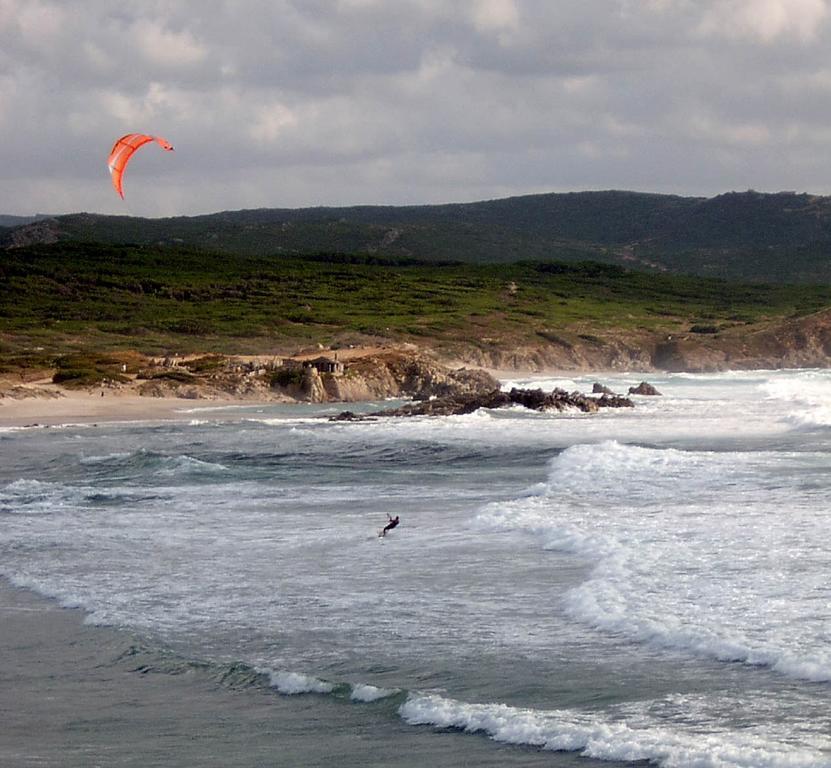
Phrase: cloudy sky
(289, 103)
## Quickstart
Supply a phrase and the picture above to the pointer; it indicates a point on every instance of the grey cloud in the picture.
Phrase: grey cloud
(291, 102)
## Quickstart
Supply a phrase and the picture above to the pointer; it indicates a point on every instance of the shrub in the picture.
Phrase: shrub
(188, 327)
(80, 377)
(207, 363)
(286, 377)
(553, 338)
(174, 375)
(85, 370)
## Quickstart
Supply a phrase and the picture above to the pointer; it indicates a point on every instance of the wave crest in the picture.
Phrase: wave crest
(599, 737)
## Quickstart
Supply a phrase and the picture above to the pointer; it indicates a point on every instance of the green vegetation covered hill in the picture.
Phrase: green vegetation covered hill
(748, 236)
(79, 297)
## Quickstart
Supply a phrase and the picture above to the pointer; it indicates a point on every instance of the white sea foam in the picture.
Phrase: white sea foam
(677, 551)
(36, 497)
(369, 693)
(64, 597)
(803, 401)
(189, 463)
(546, 383)
(106, 458)
(292, 683)
(26, 485)
(601, 737)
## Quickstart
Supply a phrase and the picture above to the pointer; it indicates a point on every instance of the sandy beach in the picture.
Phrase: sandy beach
(50, 405)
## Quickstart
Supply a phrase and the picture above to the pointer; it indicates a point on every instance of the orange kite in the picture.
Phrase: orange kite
(124, 149)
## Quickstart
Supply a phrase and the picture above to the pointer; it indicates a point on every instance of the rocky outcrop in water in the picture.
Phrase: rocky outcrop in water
(644, 388)
(534, 399)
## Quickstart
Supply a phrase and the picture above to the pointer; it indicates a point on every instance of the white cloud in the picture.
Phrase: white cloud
(163, 46)
(495, 15)
(38, 24)
(703, 127)
(765, 20)
(271, 121)
(97, 57)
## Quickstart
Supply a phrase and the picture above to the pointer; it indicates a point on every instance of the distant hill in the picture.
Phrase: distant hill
(750, 236)
(17, 221)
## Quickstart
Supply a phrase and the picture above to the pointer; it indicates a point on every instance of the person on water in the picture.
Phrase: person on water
(393, 521)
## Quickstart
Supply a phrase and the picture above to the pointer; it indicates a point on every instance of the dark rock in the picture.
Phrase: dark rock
(345, 416)
(534, 399)
(644, 388)
(557, 399)
(614, 401)
(600, 389)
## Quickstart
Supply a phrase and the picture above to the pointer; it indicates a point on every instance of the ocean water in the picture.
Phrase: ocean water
(647, 584)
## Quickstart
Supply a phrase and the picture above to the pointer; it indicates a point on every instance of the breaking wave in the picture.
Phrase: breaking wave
(142, 462)
(676, 554)
(601, 737)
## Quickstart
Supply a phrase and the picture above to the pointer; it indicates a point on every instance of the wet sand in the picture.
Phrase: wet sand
(68, 407)
(69, 697)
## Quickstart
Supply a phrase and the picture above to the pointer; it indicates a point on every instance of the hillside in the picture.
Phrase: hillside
(66, 300)
(784, 237)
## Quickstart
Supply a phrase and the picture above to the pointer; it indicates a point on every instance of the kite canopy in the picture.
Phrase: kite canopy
(124, 149)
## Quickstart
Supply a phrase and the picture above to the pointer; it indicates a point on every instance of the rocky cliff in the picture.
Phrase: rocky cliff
(803, 342)
(390, 374)
(798, 342)
(387, 374)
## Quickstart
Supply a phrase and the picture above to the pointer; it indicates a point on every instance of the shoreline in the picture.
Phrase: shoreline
(179, 387)
(72, 407)
(40, 404)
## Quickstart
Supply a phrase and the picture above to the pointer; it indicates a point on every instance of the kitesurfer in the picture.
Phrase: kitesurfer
(393, 521)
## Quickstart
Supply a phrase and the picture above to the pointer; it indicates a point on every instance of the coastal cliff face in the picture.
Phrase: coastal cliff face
(803, 342)
(391, 374)
(609, 354)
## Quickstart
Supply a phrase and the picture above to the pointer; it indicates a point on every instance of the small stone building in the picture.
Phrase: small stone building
(326, 365)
